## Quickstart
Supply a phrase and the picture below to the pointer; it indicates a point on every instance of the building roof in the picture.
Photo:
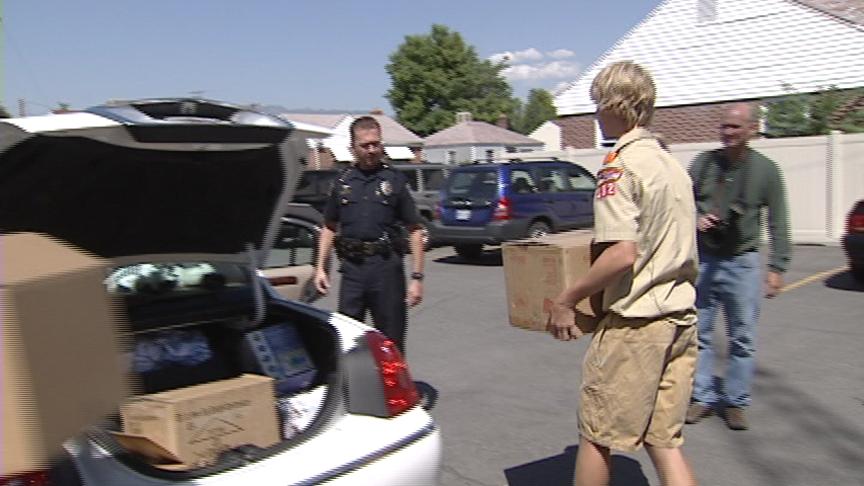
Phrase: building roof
(849, 10)
(392, 132)
(748, 49)
(478, 133)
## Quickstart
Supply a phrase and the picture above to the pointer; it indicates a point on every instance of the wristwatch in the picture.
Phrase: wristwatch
(417, 276)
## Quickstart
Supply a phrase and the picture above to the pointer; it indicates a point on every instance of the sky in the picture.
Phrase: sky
(303, 55)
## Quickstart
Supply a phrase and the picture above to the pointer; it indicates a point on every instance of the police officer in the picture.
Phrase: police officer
(368, 205)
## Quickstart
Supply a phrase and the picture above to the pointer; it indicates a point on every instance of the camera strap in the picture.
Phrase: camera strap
(720, 193)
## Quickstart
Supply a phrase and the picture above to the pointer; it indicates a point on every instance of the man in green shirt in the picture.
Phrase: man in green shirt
(732, 185)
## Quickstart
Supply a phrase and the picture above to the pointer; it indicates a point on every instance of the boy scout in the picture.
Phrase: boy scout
(637, 374)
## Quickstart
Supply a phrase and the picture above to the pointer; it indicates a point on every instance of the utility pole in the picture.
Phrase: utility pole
(22, 107)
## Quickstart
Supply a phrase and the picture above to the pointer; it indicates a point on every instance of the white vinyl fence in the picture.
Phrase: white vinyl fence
(824, 177)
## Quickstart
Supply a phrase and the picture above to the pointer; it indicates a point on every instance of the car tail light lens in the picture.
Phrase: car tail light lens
(38, 478)
(855, 224)
(503, 211)
(399, 390)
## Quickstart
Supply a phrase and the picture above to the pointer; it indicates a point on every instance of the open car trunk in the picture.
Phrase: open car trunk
(293, 343)
(186, 197)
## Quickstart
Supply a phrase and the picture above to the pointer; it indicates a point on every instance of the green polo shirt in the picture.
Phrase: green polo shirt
(718, 184)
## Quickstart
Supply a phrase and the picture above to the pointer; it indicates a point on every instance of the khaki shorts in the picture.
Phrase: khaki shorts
(636, 381)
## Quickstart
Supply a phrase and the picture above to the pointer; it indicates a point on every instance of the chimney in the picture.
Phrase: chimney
(377, 111)
(503, 121)
(463, 116)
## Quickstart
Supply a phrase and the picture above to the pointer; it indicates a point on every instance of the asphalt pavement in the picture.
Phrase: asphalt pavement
(506, 398)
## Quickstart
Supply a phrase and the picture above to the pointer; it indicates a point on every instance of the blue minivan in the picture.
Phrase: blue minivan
(489, 203)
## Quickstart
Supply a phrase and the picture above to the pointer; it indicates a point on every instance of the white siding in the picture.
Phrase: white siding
(548, 133)
(750, 50)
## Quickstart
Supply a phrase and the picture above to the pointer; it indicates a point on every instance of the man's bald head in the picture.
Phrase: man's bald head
(738, 126)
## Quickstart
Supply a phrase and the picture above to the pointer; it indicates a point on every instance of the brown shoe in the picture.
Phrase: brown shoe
(735, 418)
(696, 412)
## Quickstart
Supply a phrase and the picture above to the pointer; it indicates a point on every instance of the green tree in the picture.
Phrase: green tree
(802, 114)
(437, 75)
(538, 109)
(3, 112)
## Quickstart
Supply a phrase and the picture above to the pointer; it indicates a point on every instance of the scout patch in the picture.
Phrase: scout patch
(610, 157)
(607, 180)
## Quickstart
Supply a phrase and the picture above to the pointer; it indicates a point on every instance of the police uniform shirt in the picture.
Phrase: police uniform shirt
(366, 204)
(644, 195)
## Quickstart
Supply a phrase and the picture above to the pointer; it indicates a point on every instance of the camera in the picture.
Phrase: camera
(723, 236)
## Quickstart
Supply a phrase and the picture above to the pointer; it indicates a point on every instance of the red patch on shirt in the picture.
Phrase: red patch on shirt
(610, 157)
(606, 189)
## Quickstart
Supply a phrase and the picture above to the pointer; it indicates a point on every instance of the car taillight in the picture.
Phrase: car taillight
(503, 211)
(38, 478)
(855, 223)
(399, 390)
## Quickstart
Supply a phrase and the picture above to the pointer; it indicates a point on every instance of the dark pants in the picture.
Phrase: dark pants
(376, 284)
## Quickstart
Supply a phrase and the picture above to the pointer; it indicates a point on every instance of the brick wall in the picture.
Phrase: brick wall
(677, 124)
(577, 131)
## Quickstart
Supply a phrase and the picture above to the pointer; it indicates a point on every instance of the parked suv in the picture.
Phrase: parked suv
(489, 203)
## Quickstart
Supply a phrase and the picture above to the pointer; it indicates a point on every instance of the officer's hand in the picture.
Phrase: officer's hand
(322, 282)
(706, 222)
(773, 284)
(415, 293)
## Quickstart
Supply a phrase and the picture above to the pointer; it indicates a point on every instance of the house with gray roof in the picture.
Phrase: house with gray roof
(400, 144)
(705, 54)
(470, 140)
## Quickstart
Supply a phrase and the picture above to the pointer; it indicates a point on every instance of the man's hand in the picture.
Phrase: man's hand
(773, 284)
(562, 322)
(415, 293)
(322, 281)
(706, 222)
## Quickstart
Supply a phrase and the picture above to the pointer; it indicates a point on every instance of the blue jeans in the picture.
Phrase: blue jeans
(735, 283)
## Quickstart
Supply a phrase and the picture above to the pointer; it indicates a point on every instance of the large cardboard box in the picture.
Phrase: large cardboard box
(61, 342)
(191, 426)
(537, 270)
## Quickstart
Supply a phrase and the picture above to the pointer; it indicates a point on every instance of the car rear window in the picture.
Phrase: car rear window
(433, 179)
(473, 184)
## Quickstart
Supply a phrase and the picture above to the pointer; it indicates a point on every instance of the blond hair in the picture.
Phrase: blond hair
(627, 90)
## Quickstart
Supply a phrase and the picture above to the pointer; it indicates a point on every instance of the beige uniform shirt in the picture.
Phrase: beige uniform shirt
(644, 195)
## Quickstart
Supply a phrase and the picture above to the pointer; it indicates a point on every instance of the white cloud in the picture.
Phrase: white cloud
(561, 53)
(549, 70)
(530, 54)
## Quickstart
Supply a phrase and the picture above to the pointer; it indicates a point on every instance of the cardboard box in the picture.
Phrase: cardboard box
(61, 338)
(537, 270)
(190, 427)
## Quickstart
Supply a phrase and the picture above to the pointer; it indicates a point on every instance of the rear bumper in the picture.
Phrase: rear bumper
(853, 245)
(493, 233)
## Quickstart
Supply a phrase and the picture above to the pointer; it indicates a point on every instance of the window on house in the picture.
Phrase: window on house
(451, 156)
(490, 154)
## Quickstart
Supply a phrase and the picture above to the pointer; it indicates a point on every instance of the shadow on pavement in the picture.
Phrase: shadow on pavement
(844, 281)
(489, 258)
(558, 471)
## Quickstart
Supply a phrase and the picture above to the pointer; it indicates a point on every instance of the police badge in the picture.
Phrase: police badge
(386, 188)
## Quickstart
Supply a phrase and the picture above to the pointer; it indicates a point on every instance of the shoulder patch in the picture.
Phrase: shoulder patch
(610, 157)
(609, 175)
(606, 190)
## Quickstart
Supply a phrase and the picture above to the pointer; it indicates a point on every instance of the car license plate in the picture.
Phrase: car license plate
(463, 214)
